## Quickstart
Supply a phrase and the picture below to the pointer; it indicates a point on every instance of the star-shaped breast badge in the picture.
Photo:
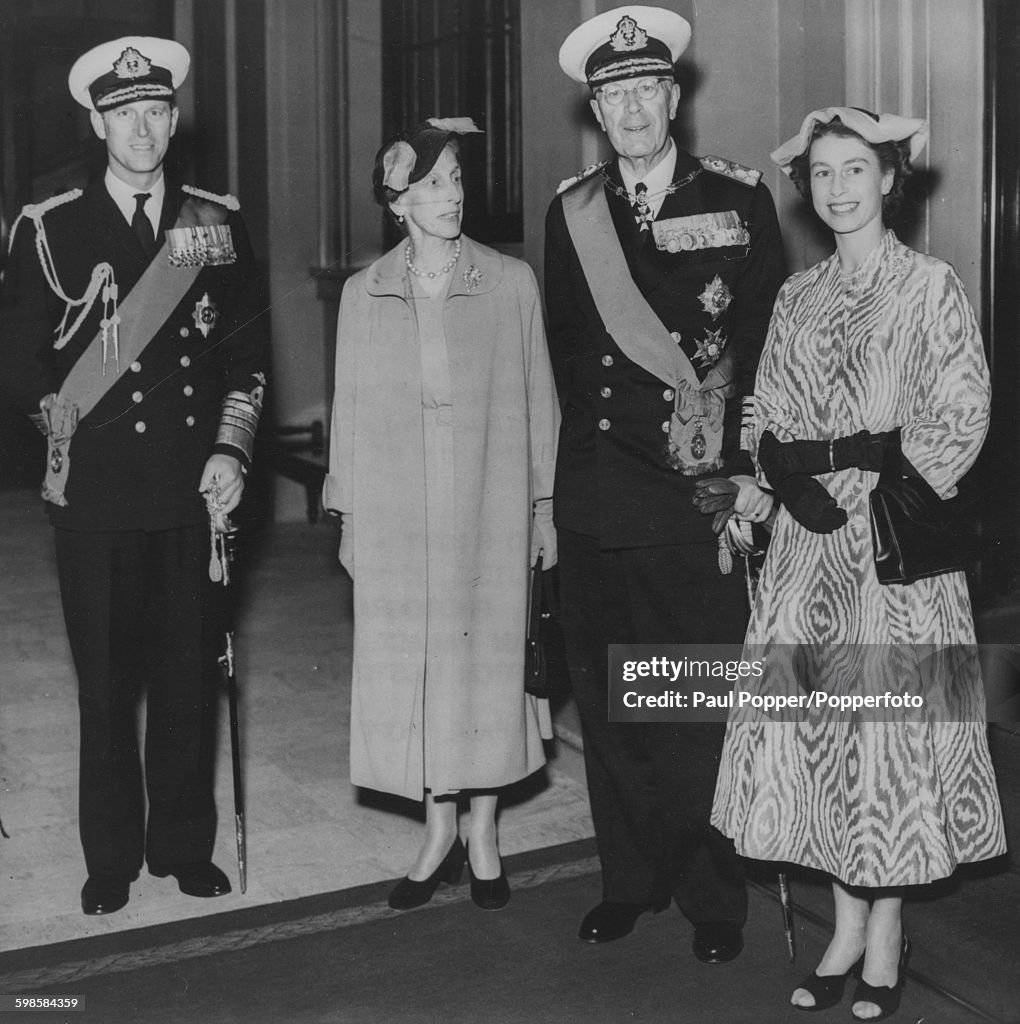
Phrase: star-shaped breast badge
(206, 314)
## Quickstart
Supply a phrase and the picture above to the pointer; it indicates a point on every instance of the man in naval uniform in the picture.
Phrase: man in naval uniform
(130, 334)
(661, 271)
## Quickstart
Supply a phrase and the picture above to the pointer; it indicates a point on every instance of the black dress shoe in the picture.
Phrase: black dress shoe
(490, 893)
(202, 879)
(610, 921)
(104, 894)
(408, 894)
(717, 942)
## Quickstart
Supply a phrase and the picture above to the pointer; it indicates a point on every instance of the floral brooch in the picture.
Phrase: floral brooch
(472, 277)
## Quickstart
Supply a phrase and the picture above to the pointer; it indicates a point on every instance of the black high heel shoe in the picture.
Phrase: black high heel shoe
(827, 989)
(408, 894)
(489, 893)
(885, 997)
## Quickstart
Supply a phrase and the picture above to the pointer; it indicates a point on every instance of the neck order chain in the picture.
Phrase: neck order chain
(431, 274)
(673, 186)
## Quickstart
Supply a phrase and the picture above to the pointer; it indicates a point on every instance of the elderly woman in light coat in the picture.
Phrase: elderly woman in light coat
(442, 452)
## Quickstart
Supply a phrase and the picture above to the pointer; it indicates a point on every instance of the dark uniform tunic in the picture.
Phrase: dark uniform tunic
(132, 541)
(638, 562)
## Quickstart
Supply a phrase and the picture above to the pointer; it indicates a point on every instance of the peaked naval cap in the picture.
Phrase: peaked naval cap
(873, 128)
(127, 70)
(627, 42)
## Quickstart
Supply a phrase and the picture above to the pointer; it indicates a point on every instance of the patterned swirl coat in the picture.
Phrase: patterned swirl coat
(874, 803)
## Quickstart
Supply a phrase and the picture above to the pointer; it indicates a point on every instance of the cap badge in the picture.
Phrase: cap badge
(131, 64)
(628, 36)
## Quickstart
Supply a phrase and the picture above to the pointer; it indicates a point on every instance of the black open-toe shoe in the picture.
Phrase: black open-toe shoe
(885, 997)
(827, 989)
(408, 894)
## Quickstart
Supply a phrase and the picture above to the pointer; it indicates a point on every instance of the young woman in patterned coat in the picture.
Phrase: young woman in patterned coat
(871, 352)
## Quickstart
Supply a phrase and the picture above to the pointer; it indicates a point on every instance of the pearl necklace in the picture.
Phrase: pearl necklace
(432, 274)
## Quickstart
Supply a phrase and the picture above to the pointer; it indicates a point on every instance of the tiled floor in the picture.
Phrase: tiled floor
(308, 830)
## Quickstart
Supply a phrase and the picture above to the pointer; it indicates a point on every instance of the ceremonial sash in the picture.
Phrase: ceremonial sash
(158, 292)
(695, 434)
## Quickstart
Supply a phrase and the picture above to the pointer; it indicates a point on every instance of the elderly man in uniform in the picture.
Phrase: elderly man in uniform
(661, 271)
(130, 334)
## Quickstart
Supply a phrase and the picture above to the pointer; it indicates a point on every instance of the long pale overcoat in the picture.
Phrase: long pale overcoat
(471, 727)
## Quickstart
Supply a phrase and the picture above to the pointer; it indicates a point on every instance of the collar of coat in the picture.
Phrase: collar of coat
(479, 270)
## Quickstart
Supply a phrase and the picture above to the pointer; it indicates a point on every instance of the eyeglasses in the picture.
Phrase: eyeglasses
(647, 89)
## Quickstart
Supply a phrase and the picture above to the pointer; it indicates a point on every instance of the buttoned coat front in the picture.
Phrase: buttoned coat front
(474, 728)
(137, 457)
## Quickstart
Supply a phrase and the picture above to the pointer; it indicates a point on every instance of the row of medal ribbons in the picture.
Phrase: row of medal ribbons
(701, 231)
(204, 245)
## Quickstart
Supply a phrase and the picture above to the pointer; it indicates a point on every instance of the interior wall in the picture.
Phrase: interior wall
(923, 58)
(324, 118)
(811, 74)
(292, 172)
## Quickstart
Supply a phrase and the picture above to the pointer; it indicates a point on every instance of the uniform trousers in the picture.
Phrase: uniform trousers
(137, 607)
(651, 784)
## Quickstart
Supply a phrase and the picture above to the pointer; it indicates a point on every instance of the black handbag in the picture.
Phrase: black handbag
(916, 534)
(545, 669)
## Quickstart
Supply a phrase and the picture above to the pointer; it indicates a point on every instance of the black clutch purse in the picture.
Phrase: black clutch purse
(545, 669)
(916, 534)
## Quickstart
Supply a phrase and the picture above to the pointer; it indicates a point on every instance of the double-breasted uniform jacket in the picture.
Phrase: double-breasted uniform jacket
(613, 480)
(137, 457)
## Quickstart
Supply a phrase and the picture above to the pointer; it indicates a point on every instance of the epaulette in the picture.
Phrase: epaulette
(101, 281)
(580, 176)
(36, 210)
(227, 200)
(731, 169)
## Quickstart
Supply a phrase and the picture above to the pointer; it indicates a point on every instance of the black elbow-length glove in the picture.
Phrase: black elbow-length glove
(792, 465)
(862, 450)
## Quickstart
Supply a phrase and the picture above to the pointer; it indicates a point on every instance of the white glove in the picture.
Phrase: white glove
(347, 542)
(543, 534)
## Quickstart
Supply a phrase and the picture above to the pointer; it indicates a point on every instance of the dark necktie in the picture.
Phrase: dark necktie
(142, 226)
(642, 212)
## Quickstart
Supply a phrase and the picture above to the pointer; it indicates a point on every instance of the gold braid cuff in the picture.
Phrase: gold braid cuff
(239, 419)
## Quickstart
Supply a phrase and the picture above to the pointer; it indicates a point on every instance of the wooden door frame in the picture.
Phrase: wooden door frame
(1001, 295)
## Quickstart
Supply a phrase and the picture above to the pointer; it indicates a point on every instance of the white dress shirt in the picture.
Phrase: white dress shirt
(124, 194)
(657, 180)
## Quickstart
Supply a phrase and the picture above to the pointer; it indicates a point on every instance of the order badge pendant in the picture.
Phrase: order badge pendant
(694, 444)
(698, 444)
(206, 314)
